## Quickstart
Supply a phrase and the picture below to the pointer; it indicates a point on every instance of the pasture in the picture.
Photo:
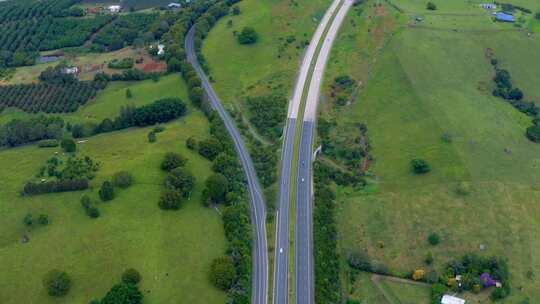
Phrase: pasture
(418, 84)
(166, 247)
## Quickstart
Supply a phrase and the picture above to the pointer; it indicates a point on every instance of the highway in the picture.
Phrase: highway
(258, 211)
(282, 250)
(304, 264)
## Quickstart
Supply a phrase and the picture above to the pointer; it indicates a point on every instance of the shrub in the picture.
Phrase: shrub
(446, 137)
(57, 283)
(537, 16)
(122, 179)
(170, 200)
(463, 188)
(429, 258)
(248, 35)
(431, 6)
(131, 276)
(418, 274)
(43, 219)
(68, 145)
(359, 261)
(48, 143)
(172, 160)
(32, 188)
(128, 93)
(106, 192)
(222, 272)
(28, 220)
(92, 212)
(434, 239)
(432, 277)
(420, 166)
(494, 62)
(191, 143)
(152, 137)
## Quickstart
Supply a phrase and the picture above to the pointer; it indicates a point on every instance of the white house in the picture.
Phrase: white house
(489, 6)
(71, 70)
(114, 9)
(161, 49)
(447, 299)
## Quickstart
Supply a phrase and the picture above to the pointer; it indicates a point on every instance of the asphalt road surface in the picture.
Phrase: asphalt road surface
(282, 252)
(258, 213)
(304, 271)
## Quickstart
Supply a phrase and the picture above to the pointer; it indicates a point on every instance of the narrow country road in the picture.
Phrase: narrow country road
(258, 213)
(282, 247)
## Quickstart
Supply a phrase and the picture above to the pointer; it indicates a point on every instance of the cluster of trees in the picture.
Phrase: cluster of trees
(248, 35)
(160, 111)
(74, 168)
(128, 75)
(340, 177)
(327, 265)
(471, 267)
(57, 92)
(125, 292)
(510, 8)
(514, 96)
(57, 283)
(18, 132)
(42, 219)
(178, 183)
(62, 185)
(268, 113)
(123, 31)
(342, 89)
(125, 63)
(89, 207)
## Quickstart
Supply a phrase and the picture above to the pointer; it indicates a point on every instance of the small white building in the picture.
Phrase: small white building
(447, 299)
(114, 9)
(489, 6)
(161, 49)
(71, 70)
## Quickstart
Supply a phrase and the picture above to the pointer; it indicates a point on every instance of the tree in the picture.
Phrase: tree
(170, 200)
(431, 6)
(57, 283)
(217, 186)
(131, 276)
(420, 166)
(128, 93)
(248, 35)
(172, 160)
(418, 274)
(122, 179)
(123, 294)
(68, 145)
(43, 219)
(180, 180)
(533, 133)
(106, 192)
(222, 272)
(235, 11)
(152, 137)
(434, 239)
(210, 148)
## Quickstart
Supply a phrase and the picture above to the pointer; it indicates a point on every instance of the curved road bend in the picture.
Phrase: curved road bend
(258, 213)
(281, 260)
(304, 270)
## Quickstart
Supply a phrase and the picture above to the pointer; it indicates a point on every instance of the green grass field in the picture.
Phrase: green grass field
(240, 70)
(172, 250)
(418, 84)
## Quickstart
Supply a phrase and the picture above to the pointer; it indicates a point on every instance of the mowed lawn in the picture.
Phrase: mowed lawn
(253, 69)
(424, 83)
(172, 250)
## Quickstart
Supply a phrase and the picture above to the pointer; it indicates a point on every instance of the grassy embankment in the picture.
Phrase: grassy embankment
(166, 247)
(418, 83)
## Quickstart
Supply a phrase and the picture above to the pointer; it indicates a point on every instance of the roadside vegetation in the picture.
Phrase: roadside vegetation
(449, 169)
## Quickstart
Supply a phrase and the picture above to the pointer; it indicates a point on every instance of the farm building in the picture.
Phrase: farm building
(503, 17)
(489, 6)
(114, 9)
(447, 299)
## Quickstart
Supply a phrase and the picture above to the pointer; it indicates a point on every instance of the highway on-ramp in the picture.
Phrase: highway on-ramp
(258, 213)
